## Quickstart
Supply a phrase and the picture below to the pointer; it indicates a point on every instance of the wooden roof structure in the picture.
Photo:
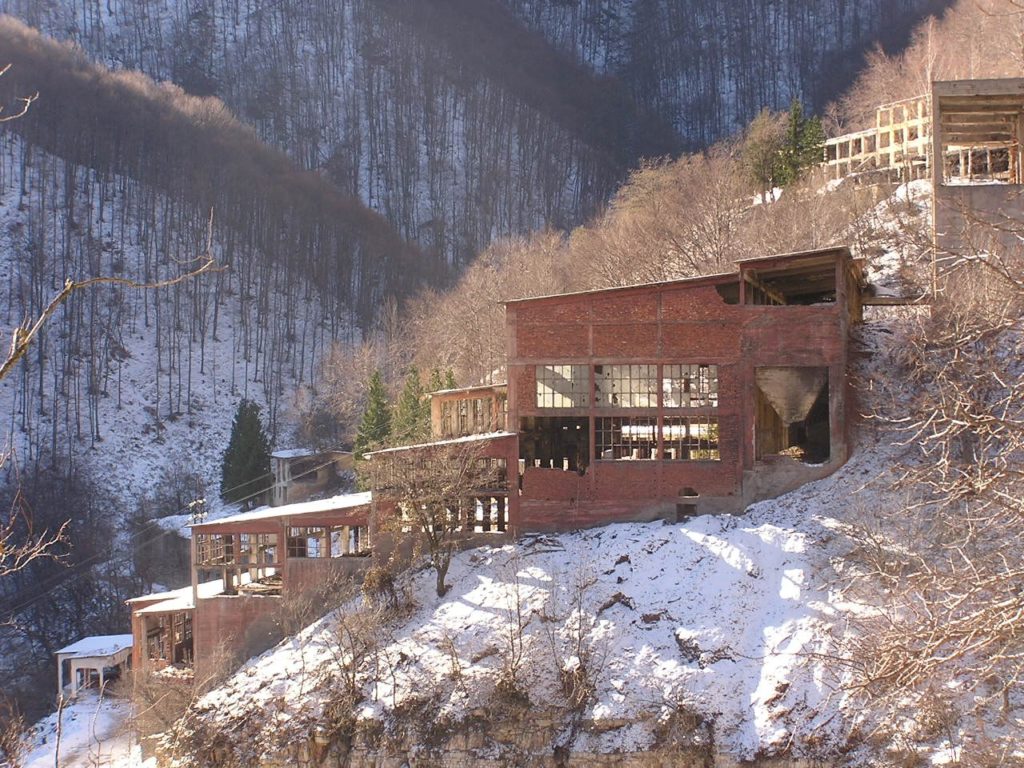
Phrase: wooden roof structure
(979, 113)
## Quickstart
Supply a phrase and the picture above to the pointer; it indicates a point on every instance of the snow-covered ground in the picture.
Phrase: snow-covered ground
(94, 731)
(730, 617)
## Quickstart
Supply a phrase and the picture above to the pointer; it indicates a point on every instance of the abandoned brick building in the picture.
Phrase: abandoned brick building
(243, 569)
(648, 401)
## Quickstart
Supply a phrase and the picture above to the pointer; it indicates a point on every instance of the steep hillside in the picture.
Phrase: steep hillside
(707, 67)
(712, 636)
(461, 124)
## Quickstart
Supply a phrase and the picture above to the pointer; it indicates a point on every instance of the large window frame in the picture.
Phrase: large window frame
(639, 411)
(563, 385)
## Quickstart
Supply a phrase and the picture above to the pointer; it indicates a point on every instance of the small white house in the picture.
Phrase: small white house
(100, 654)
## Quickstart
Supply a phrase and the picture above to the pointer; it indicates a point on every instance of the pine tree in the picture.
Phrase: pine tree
(436, 380)
(803, 142)
(411, 422)
(245, 474)
(449, 380)
(375, 426)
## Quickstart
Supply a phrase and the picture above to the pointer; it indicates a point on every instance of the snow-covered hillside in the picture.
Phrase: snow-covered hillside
(133, 383)
(730, 619)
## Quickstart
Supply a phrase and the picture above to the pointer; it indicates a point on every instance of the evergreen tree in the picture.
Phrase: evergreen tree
(375, 426)
(411, 422)
(245, 474)
(803, 142)
(763, 151)
(436, 380)
(449, 380)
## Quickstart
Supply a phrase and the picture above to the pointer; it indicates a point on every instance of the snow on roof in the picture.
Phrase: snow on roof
(345, 501)
(451, 441)
(474, 388)
(97, 645)
(180, 599)
(293, 453)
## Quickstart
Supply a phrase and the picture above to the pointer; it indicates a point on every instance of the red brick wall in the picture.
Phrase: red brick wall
(243, 625)
(665, 324)
(303, 574)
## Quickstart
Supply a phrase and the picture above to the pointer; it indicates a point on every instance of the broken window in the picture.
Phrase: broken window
(626, 437)
(213, 549)
(257, 548)
(555, 442)
(307, 542)
(626, 386)
(792, 413)
(562, 386)
(488, 514)
(690, 438)
(689, 386)
(349, 540)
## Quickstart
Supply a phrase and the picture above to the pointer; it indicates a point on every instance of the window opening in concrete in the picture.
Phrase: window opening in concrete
(257, 548)
(555, 442)
(689, 386)
(687, 504)
(690, 438)
(488, 514)
(308, 542)
(626, 438)
(792, 413)
(563, 386)
(730, 292)
(626, 386)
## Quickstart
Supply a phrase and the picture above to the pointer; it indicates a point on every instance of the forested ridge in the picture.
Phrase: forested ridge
(461, 122)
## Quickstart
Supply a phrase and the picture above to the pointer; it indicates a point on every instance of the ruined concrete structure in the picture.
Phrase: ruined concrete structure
(978, 136)
(302, 474)
(243, 568)
(977, 189)
(661, 400)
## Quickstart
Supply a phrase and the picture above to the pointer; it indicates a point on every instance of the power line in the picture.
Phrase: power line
(99, 557)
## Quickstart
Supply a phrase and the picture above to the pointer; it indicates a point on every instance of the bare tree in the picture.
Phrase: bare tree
(435, 494)
(941, 647)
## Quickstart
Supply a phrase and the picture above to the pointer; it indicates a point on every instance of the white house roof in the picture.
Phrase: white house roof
(345, 501)
(97, 645)
(451, 441)
(180, 599)
(292, 453)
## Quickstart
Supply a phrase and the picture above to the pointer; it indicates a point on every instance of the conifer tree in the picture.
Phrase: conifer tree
(375, 426)
(245, 474)
(436, 380)
(411, 423)
(803, 142)
(449, 380)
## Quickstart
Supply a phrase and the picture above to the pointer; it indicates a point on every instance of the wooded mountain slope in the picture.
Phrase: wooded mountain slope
(462, 121)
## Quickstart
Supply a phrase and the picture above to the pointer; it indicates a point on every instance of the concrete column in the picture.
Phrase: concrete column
(60, 675)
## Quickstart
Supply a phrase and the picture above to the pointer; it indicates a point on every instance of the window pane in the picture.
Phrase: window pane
(562, 386)
(690, 386)
(691, 438)
(626, 438)
(626, 386)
